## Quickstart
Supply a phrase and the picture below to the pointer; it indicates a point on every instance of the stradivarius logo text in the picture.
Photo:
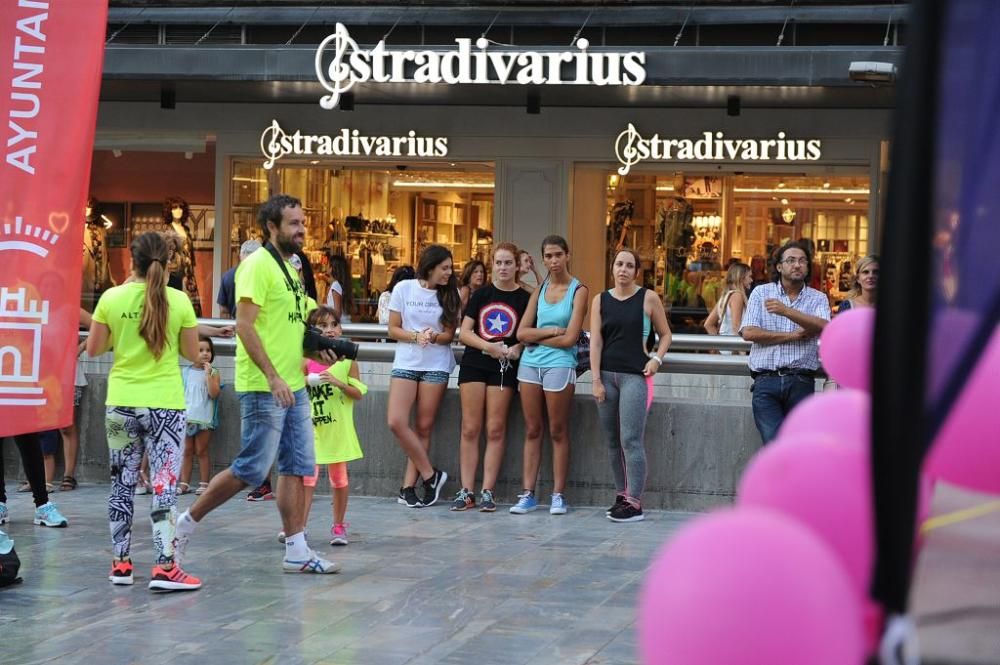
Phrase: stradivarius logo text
(631, 148)
(350, 64)
(275, 143)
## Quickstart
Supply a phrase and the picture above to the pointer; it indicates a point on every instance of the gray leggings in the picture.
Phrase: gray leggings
(623, 418)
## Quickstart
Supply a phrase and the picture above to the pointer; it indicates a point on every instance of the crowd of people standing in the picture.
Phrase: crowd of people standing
(522, 335)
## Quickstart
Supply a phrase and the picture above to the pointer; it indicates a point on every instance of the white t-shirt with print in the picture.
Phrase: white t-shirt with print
(419, 309)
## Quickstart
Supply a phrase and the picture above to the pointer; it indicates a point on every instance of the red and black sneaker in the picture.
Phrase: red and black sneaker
(262, 493)
(174, 579)
(121, 572)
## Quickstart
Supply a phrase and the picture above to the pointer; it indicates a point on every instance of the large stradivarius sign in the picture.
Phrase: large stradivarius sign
(631, 148)
(276, 143)
(340, 63)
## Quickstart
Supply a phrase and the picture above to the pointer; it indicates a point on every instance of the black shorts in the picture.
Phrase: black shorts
(490, 377)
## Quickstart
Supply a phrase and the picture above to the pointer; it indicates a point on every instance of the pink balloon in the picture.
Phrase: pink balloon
(845, 347)
(825, 485)
(966, 451)
(843, 414)
(748, 587)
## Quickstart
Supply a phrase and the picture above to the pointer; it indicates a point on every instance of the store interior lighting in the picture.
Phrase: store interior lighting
(430, 184)
(799, 190)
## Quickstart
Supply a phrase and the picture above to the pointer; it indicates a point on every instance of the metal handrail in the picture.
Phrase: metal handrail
(674, 362)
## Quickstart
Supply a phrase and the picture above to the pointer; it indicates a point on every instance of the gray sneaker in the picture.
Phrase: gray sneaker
(464, 500)
(487, 504)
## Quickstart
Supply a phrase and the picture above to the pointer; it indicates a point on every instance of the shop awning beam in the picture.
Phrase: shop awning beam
(570, 16)
(703, 65)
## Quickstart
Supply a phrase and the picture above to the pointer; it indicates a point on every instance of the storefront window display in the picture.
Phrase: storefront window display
(376, 218)
(687, 228)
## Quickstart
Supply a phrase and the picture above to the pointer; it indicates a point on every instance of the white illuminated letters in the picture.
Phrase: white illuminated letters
(631, 148)
(275, 143)
(340, 63)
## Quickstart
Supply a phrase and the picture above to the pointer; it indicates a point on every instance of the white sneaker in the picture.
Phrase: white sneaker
(314, 564)
(558, 505)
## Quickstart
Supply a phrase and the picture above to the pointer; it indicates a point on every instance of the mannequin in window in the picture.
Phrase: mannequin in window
(96, 266)
(177, 218)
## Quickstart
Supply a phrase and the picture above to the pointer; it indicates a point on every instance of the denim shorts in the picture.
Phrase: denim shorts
(421, 376)
(194, 428)
(551, 379)
(266, 430)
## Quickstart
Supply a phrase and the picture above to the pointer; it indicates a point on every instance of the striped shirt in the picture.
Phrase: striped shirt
(802, 354)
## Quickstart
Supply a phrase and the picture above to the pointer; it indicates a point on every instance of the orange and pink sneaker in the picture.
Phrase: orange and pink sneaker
(174, 579)
(121, 572)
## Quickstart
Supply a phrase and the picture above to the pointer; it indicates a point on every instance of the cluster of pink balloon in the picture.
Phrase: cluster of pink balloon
(783, 577)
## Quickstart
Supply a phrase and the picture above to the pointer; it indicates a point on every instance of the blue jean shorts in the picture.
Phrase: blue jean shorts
(268, 430)
(421, 376)
(194, 428)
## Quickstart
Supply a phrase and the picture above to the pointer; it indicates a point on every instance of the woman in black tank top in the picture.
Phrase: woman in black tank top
(623, 376)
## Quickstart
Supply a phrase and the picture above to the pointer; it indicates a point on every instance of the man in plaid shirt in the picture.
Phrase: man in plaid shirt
(783, 320)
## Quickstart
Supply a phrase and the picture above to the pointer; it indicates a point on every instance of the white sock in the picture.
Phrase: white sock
(186, 524)
(296, 548)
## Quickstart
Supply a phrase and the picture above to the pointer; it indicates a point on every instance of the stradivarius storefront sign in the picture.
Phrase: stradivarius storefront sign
(340, 63)
(276, 143)
(632, 148)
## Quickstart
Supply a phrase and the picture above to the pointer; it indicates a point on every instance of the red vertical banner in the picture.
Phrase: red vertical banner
(51, 54)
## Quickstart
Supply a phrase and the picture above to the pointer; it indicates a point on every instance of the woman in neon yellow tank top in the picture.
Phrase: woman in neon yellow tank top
(547, 374)
(148, 325)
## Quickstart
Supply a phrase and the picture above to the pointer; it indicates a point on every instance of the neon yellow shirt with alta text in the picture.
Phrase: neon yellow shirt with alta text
(137, 378)
(280, 322)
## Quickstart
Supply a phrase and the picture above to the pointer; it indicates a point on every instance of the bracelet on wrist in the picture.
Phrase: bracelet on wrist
(658, 359)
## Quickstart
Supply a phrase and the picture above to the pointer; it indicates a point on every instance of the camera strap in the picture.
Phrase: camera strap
(288, 278)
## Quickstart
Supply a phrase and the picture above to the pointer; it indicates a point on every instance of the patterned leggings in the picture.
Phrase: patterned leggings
(160, 433)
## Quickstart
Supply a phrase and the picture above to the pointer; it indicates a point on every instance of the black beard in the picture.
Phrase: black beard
(287, 246)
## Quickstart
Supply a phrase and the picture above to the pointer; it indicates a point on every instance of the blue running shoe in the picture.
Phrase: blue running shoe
(558, 505)
(49, 515)
(4, 515)
(525, 504)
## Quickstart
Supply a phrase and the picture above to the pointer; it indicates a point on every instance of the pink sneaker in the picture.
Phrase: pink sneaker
(339, 534)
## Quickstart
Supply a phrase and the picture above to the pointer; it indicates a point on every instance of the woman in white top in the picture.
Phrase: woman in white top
(336, 297)
(727, 315)
(398, 275)
(423, 317)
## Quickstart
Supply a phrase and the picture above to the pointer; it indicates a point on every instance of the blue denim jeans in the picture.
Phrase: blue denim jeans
(774, 397)
(268, 429)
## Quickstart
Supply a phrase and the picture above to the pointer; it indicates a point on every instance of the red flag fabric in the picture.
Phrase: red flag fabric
(51, 54)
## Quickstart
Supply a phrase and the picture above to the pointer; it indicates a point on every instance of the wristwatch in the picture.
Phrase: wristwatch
(658, 359)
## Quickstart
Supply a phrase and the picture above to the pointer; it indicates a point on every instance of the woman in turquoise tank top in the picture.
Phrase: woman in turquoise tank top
(547, 374)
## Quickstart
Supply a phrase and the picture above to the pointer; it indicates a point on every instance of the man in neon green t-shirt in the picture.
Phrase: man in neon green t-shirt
(274, 405)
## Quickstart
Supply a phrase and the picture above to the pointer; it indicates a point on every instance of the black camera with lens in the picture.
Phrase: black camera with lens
(315, 341)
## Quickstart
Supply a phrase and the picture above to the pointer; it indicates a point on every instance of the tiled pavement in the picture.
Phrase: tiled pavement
(418, 586)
